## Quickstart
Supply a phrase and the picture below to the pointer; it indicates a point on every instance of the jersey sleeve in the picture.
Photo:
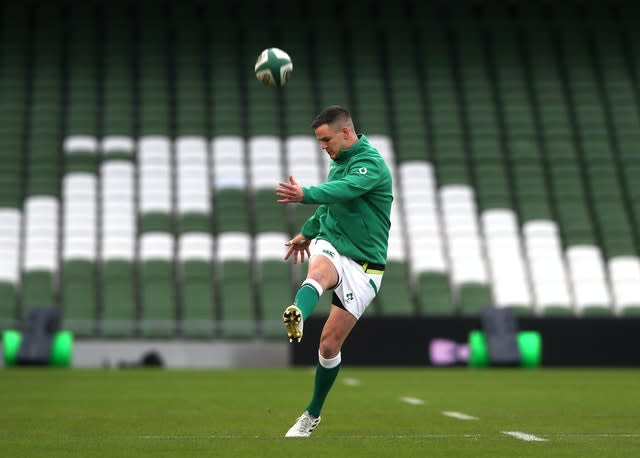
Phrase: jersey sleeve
(363, 176)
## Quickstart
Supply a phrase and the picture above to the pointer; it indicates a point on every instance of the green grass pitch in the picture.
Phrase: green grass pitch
(371, 412)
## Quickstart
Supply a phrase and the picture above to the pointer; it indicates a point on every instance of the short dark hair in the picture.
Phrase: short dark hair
(331, 115)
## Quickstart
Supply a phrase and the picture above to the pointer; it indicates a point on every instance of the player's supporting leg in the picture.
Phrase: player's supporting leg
(326, 373)
(334, 332)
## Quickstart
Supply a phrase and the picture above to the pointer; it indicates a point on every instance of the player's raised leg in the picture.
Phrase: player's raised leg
(305, 301)
(322, 274)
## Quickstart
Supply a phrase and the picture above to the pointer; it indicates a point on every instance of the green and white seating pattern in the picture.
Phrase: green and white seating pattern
(140, 158)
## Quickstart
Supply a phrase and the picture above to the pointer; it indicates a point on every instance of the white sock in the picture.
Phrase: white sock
(314, 284)
(329, 363)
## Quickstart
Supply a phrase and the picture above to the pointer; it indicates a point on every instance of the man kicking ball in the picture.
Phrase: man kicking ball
(346, 243)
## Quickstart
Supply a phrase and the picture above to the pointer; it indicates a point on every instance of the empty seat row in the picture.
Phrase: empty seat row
(137, 190)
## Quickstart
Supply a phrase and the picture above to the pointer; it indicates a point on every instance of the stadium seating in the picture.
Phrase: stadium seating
(118, 247)
(195, 277)
(140, 154)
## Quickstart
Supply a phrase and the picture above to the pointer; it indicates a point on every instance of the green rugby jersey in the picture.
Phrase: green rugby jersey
(355, 204)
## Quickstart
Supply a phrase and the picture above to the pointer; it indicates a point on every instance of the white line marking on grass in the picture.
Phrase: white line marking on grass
(524, 436)
(596, 435)
(350, 381)
(515, 434)
(459, 415)
(412, 401)
(206, 436)
(350, 436)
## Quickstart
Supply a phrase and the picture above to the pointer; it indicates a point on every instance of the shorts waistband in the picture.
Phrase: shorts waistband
(370, 266)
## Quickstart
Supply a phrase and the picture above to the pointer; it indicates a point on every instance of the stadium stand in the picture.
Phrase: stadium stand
(139, 156)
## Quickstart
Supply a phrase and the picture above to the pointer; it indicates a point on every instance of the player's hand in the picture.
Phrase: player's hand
(290, 192)
(298, 247)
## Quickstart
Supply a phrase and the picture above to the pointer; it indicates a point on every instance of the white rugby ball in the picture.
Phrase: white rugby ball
(273, 67)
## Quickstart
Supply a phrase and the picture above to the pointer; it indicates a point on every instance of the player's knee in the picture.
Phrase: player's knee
(323, 271)
(329, 346)
(323, 277)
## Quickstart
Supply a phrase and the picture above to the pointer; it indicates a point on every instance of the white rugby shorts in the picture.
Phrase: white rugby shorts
(356, 288)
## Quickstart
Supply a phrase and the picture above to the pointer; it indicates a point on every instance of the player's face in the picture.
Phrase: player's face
(330, 140)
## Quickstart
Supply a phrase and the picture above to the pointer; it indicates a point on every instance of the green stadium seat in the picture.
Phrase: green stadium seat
(118, 298)
(81, 154)
(444, 106)
(8, 311)
(82, 106)
(394, 297)
(121, 121)
(10, 243)
(225, 82)
(44, 138)
(38, 288)
(473, 298)
(118, 80)
(368, 83)
(189, 79)
(298, 98)
(78, 291)
(274, 281)
(118, 275)
(263, 110)
(434, 294)
(41, 251)
(235, 280)
(79, 252)
(153, 70)
(157, 285)
(155, 178)
(232, 210)
(231, 199)
(333, 84)
(195, 273)
(193, 185)
(407, 105)
(11, 182)
(265, 170)
(269, 215)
